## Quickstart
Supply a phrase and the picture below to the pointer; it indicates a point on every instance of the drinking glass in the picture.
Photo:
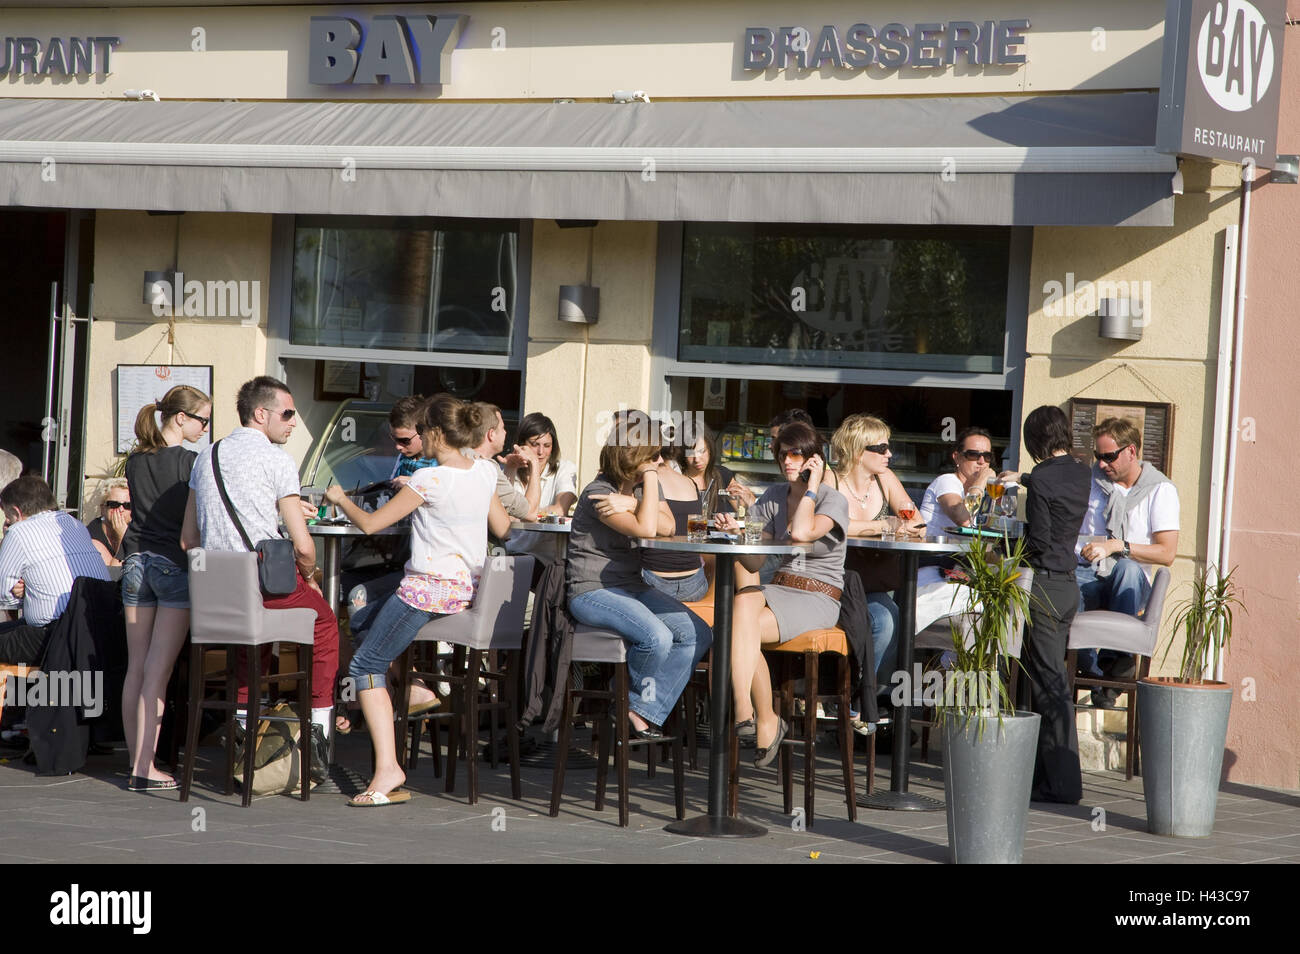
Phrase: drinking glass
(753, 530)
(891, 528)
(697, 528)
(973, 500)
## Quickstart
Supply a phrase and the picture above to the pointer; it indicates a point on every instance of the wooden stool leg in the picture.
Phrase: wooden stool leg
(787, 713)
(685, 718)
(846, 735)
(472, 720)
(402, 705)
(231, 712)
(810, 667)
(562, 744)
(604, 735)
(493, 699)
(252, 722)
(512, 723)
(195, 718)
(624, 742)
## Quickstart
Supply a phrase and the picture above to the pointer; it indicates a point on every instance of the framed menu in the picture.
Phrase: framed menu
(1154, 420)
(141, 384)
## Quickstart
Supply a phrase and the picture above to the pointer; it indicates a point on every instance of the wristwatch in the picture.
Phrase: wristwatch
(1125, 552)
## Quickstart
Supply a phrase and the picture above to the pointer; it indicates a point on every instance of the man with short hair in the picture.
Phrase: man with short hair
(43, 552)
(1133, 513)
(491, 441)
(261, 481)
(404, 423)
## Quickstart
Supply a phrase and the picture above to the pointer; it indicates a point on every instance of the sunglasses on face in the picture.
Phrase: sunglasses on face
(205, 421)
(976, 455)
(402, 441)
(285, 415)
(792, 455)
(116, 504)
(878, 448)
(1110, 456)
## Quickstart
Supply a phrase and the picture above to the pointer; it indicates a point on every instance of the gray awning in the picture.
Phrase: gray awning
(1048, 160)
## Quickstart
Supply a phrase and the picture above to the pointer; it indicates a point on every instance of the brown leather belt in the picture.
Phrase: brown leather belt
(806, 583)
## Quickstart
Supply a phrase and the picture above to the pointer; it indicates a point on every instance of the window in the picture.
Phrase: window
(868, 297)
(405, 284)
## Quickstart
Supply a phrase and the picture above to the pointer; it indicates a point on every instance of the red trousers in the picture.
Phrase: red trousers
(325, 646)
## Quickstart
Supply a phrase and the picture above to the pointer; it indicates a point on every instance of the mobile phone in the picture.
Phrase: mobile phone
(805, 475)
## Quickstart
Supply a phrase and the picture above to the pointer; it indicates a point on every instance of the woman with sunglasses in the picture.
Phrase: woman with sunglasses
(155, 581)
(109, 529)
(805, 592)
(943, 504)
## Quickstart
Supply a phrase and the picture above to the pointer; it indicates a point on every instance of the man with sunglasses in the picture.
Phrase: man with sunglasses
(1133, 518)
(404, 422)
(943, 504)
(262, 483)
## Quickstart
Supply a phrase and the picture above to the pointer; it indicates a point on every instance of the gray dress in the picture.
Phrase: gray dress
(798, 611)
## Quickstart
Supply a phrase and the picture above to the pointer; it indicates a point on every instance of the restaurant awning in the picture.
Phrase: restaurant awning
(1082, 159)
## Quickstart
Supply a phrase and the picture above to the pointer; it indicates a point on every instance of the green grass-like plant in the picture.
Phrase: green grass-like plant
(1205, 618)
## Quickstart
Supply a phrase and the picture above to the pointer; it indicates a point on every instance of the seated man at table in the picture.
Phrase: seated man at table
(491, 441)
(43, 551)
(404, 422)
(1133, 509)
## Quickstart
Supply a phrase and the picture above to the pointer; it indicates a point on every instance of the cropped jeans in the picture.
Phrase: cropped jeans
(394, 628)
(665, 641)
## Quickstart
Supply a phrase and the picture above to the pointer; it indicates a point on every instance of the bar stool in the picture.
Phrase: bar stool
(592, 644)
(810, 646)
(493, 624)
(1137, 636)
(227, 612)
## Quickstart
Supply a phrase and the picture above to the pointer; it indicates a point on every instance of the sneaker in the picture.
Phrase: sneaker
(357, 598)
(863, 728)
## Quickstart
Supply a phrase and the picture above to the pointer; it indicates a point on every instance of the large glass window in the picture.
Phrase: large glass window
(931, 299)
(404, 284)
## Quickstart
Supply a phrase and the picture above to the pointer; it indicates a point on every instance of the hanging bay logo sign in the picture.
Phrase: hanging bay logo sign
(409, 50)
(1220, 83)
(892, 46)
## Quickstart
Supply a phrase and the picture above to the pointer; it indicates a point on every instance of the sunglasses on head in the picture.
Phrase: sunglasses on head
(976, 455)
(116, 504)
(285, 415)
(878, 448)
(1110, 456)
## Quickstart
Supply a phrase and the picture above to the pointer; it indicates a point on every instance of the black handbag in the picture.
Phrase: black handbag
(277, 570)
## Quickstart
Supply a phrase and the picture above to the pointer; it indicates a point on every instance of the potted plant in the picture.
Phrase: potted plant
(989, 747)
(1184, 719)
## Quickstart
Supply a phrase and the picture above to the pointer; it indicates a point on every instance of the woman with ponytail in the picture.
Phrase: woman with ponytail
(452, 507)
(155, 584)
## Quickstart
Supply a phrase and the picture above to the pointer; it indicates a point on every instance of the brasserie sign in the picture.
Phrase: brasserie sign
(892, 46)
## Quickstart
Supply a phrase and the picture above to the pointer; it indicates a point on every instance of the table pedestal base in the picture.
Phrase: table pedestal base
(900, 802)
(713, 826)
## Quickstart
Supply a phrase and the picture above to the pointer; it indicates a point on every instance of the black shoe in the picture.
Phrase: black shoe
(320, 755)
(651, 733)
(1104, 698)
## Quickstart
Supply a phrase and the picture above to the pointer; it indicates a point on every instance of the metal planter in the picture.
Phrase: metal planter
(988, 777)
(1183, 730)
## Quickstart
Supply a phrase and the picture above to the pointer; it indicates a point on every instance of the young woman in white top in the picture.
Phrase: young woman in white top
(537, 450)
(452, 508)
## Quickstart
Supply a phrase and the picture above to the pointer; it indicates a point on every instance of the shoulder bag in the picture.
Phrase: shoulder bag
(277, 571)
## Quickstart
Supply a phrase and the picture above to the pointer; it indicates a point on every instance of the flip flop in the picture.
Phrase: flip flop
(142, 783)
(379, 799)
(422, 707)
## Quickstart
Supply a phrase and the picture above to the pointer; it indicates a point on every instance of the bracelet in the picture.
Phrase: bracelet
(811, 495)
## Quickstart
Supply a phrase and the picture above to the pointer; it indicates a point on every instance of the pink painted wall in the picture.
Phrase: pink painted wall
(1264, 735)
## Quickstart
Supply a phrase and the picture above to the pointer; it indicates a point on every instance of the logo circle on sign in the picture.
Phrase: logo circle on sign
(1226, 57)
(163, 373)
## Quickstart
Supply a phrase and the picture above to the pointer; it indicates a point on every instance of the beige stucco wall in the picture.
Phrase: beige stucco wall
(586, 50)
(1175, 361)
(575, 373)
(232, 247)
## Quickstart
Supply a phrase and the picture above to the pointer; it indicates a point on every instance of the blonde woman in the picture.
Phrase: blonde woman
(155, 582)
(109, 528)
(874, 492)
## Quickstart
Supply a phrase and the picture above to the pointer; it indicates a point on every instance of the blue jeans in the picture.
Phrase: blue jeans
(1126, 590)
(377, 591)
(152, 580)
(393, 629)
(884, 636)
(665, 641)
(684, 588)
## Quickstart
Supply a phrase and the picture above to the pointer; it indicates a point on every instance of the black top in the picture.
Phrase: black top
(1057, 501)
(159, 492)
(670, 561)
(96, 528)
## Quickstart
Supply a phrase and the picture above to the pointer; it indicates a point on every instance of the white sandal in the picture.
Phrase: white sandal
(379, 799)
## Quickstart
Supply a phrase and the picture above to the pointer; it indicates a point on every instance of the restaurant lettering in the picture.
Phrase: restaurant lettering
(58, 56)
(409, 50)
(892, 46)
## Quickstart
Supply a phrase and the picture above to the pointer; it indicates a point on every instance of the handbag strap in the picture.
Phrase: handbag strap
(225, 497)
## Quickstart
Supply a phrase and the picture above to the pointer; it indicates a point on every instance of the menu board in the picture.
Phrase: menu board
(141, 384)
(1155, 421)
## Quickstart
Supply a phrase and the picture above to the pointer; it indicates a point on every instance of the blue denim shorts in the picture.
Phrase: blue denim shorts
(151, 580)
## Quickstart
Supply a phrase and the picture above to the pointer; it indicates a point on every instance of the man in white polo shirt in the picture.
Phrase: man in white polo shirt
(44, 551)
(262, 483)
(1133, 514)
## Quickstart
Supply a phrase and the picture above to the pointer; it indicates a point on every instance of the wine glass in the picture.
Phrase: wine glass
(1007, 504)
(974, 498)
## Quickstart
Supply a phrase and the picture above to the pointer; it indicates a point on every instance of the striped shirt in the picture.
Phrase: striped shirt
(47, 552)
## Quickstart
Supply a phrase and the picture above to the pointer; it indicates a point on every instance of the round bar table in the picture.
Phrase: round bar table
(559, 533)
(898, 798)
(716, 823)
(331, 536)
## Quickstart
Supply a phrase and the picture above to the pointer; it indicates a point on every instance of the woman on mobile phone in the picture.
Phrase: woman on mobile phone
(452, 508)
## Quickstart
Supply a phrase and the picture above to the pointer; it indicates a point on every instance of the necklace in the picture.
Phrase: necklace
(861, 499)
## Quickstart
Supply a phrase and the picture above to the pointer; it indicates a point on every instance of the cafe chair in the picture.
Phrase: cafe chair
(226, 612)
(594, 645)
(809, 647)
(493, 626)
(1136, 636)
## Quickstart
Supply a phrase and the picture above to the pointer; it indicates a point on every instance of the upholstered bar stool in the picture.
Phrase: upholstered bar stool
(226, 612)
(494, 624)
(594, 645)
(1137, 636)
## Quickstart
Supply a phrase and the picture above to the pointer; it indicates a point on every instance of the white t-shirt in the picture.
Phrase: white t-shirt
(936, 521)
(545, 545)
(1159, 512)
(449, 532)
(563, 481)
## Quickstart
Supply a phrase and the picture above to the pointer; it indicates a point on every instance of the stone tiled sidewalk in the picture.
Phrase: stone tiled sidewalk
(91, 818)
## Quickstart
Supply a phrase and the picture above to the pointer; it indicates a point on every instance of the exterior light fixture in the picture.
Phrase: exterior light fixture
(1117, 320)
(579, 304)
(159, 287)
